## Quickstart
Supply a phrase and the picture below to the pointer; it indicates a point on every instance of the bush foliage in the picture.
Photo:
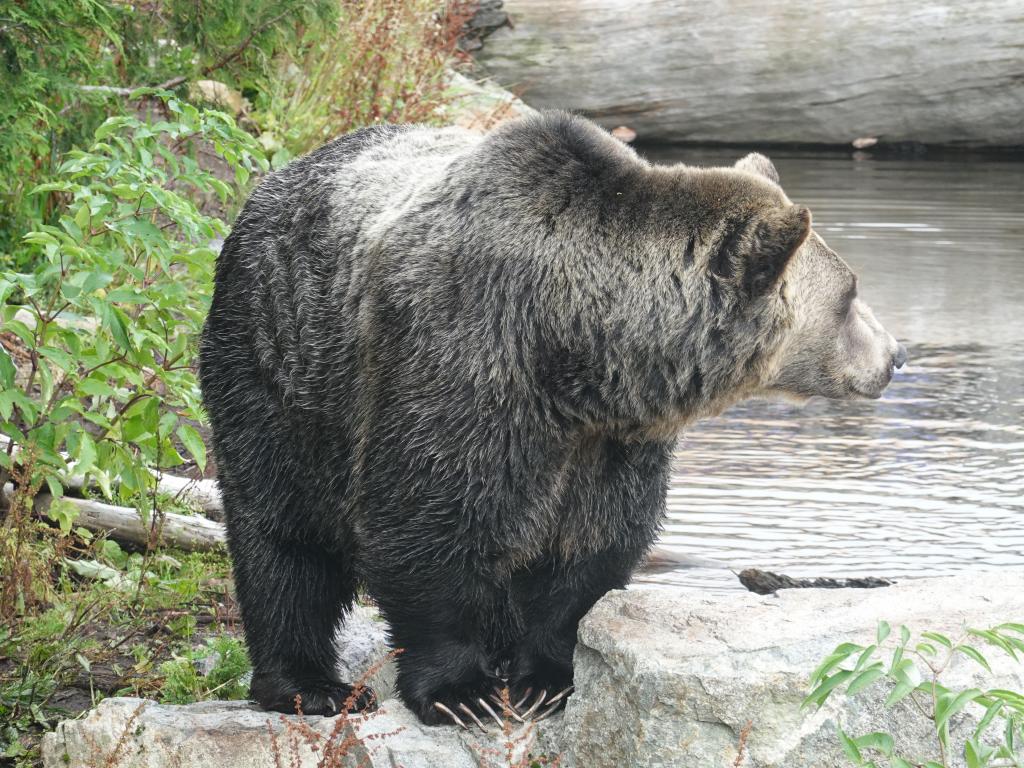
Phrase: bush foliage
(118, 171)
(913, 672)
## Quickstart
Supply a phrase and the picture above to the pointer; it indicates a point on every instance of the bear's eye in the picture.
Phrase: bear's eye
(846, 300)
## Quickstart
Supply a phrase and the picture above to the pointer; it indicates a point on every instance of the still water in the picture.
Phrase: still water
(930, 479)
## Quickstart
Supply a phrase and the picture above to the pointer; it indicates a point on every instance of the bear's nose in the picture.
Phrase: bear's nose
(900, 359)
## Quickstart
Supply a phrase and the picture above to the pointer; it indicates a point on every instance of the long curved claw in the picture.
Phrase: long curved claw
(561, 694)
(455, 718)
(506, 707)
(487, 708)
(536, 705)
(550, 710)
(522, 701)
(473, 717)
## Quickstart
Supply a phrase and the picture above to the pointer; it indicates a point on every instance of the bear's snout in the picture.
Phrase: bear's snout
(900, 358)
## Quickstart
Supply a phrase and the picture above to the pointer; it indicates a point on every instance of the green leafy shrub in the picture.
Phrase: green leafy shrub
(65, 66)
(384, 61)
(185, 683)
(914, 673)
(106, 325)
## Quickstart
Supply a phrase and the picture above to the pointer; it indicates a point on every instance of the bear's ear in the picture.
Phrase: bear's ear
(759, 165)
(778, 236)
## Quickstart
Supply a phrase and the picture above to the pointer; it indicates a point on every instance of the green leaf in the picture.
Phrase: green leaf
(973, 653)
(64, 513)
(849, 746)
(993, 638)
(834, 659)
(926, 648)
(866, 678)
(883, 631)
(95, 386)
(863, 658)
(899, 692)
(82, 216)
(878, 741)
(938, 638)
(822, 692)
(86, 453)
(947, 706)
(114, 321)
(193, 444)
(904, 635)
(7, 369)
(991, 710)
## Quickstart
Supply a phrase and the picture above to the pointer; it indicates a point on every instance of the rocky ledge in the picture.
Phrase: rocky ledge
(662, 679)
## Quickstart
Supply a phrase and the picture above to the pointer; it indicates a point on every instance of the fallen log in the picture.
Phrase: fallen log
(793, 72)
(193, 533)
(766, 582)
(202, 494)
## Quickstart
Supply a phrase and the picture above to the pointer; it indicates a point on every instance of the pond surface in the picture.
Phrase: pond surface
(930, 479)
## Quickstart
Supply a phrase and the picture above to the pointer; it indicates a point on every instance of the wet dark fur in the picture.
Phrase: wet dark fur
(470, 410)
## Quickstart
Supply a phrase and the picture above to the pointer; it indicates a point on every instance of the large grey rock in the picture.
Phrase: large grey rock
(236, 734)
(749, 71)
(668, 679)
(663, 678)
(481, 105)
(134, 733)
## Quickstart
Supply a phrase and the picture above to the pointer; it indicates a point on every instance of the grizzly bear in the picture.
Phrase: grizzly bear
(450, 370)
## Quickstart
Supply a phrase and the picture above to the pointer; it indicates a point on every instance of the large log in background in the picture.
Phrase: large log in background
(749, 71)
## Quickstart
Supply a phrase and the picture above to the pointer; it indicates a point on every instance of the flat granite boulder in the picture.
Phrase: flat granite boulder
(663, 678)
(673, 679)
(135, 733)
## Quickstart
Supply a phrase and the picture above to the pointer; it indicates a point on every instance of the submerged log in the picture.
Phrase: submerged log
(747, 71)
(765, 582)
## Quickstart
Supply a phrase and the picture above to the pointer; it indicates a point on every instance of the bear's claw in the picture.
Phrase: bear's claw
(536, 705)
(472, 716)
(541, 708)
(487, 708)
(455, 718)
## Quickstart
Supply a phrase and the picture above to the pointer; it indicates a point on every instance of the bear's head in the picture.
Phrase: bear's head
(777, 269)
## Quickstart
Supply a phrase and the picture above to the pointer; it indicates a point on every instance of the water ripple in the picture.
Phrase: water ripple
(930, 479)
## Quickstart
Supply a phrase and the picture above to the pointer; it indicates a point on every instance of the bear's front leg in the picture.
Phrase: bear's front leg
(445, 674)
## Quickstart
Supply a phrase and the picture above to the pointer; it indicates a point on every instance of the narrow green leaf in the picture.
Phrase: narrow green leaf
(938, 638)
(821, 693)
(899, 692)
(86, 453)
(866, 678)
(973, 653)
(863, 658)
(948, 706)
(878, 741)
(193, 444)
(883, 632)
(904, 635)
(849, 746)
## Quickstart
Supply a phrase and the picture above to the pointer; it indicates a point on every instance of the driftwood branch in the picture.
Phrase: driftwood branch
(192, 533)
(766, 582)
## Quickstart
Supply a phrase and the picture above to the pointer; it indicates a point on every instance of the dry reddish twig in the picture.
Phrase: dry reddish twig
(742, 746)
